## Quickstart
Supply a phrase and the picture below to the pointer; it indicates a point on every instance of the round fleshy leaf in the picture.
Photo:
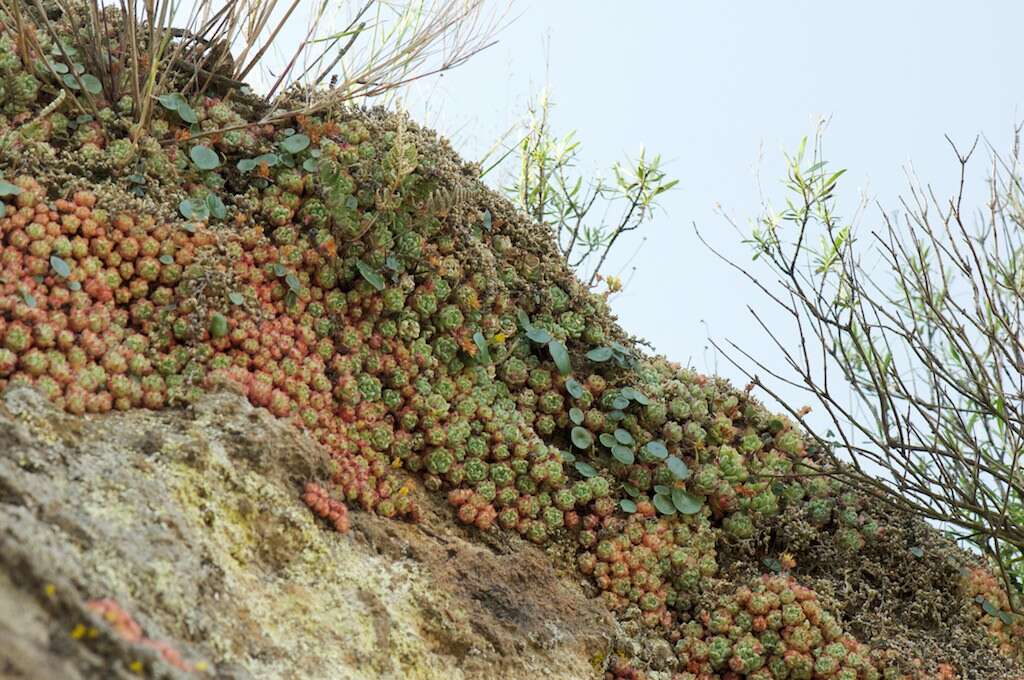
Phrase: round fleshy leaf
(663, 504)
(271, 159)
(635, 395)
(623, 454)
(166, 259)
(620, 403)
(661, 488)
(585, 469)
(657, 449)
(574, 388)
(576, 416)
(236, 298)
(615, 416)
(295, 143)
(204, 157)
(624, 437)
(631, 490)
(581, 437)
(568, 456)
(607, 440)
(686, 503)
(627, 506)
(677, 467)
(600, 354)
(246, 165)
(92, 84)
(216, 206)
(293, 282)
(524, 320)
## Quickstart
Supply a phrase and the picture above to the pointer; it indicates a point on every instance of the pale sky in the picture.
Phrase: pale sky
(713, 86)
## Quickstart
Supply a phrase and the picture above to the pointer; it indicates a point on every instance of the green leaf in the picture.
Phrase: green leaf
(677, 467)
(28, 299)
(623, 454)
(166, 259)
(524, 320)
(71, 82)
(581, 437)
(772, 564)
(585, 469)
(627, 506)
(576, 416)
(271, 159)
(293, 282)
(990, 608)
(568, 457)
(488, 220)
(246, 165)
(600, 355)
(295, 143)
(615, 416)
(204, 157)
(280, 270)
(657, 449)
(624, 437)
(171, 101)
(663, 504)
(92, 84)
(60, 267)
(917, 551)
(631, 490)
(661, 488)
(310, 165)
(370, 274)
(607, 440)
(481, 346)
(235, 298)
(539, 335)
(216, 206)
(685, 503)
(635, 395)
(8, 189)
(620, 403)
(574, 388)
(560, 355)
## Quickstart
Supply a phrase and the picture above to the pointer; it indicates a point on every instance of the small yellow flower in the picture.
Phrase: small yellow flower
(78, 632)
(396, 463)
(404, 491)
(498, 339)
(614, 283)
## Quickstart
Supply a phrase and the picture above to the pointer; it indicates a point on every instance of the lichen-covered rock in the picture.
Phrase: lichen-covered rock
(172, 543)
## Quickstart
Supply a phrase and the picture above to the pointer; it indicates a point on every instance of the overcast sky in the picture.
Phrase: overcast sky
(720, 89)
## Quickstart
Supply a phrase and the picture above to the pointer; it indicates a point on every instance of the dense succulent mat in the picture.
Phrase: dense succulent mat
(347, 272)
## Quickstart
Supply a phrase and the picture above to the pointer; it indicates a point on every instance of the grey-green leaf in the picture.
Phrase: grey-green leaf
(560, 355)
(664, 505)
(236, 298)
(627, 506)
(295, 143)
(8, 189)
(574, 388)
(600, 355)
(539, 335)
(623, 454)
(204, 157)
(686, 503)
(677, 467)
(585, 469)
(581, 437)
(624, 437)
(370, 274)
(657, 449)
(60, 266)
(92, 84)
(481, 346)
(576, 416)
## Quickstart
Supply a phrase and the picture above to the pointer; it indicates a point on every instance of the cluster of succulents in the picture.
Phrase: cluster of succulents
(994, 611)
(772, 628)
(346, 274)
(122, 624)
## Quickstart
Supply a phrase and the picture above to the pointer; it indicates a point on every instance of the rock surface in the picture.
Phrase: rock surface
(190, 521)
